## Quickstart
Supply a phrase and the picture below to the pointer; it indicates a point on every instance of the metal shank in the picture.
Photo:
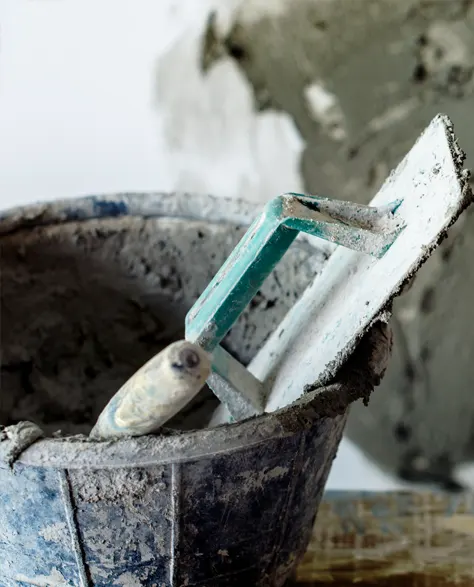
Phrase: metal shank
(368, 229)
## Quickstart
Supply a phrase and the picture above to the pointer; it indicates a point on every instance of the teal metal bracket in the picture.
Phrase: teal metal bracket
(370, 230)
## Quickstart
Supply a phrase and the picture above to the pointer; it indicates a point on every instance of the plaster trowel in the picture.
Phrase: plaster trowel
(380, 247)
(427, 191)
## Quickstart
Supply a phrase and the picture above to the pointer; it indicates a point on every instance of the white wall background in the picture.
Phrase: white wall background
(78, 115)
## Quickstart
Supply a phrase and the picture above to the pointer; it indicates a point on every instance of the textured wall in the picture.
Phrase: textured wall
(328, 95)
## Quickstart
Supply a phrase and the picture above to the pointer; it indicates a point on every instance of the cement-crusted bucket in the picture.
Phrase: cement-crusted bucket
(91, 289)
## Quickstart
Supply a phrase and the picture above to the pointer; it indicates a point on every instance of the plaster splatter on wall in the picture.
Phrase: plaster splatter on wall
(324, 107)
(216, 141)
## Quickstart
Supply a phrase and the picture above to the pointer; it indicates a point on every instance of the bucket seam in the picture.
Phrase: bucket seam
(77, 545)
(176, 522)
(287, 507)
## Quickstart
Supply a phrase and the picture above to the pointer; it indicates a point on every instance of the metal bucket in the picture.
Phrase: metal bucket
(91, 289)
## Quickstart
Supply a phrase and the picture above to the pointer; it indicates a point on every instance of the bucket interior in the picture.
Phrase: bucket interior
(86, 304)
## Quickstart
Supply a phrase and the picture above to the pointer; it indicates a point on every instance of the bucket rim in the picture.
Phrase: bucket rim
(74, 452)
(181, 205)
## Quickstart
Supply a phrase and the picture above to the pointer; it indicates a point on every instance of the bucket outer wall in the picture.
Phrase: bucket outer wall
(238, 518)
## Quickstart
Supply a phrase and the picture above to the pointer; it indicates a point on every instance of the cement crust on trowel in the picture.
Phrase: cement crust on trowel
(360, 80)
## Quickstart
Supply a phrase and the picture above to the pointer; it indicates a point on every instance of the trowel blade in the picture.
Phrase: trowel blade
(353, 290)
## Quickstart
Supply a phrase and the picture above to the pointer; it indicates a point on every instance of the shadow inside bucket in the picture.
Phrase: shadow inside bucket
(86, 304)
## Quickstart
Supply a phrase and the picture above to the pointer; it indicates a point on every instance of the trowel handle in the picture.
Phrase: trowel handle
(364, 228)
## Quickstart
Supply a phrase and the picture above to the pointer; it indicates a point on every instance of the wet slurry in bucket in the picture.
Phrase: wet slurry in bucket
(85, 304)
